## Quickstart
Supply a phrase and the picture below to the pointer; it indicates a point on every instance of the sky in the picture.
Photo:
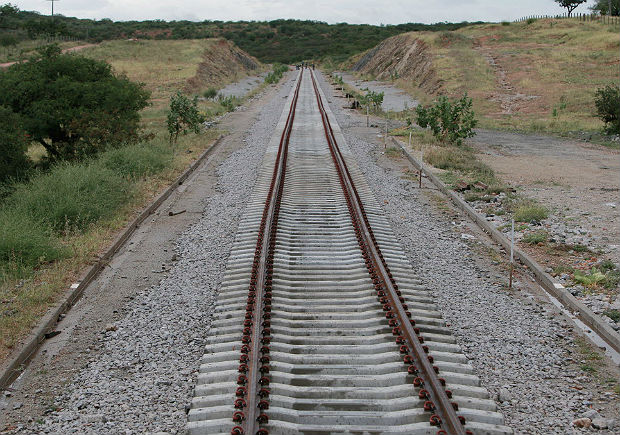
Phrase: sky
(331, 11)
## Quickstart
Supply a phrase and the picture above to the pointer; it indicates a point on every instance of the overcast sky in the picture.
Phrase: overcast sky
(332, 11)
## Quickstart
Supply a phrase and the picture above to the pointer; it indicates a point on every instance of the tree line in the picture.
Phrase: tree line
(284, 41)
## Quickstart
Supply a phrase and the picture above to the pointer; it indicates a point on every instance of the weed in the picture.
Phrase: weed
(210, 93)
(536, 237)
(229, 103)
(505, 23)
(528, 211)
(393, 152)
(531, 20)
(590, 279)
(613, 315)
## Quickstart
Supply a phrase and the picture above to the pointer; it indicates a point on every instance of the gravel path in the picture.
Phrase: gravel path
(243, 87)
(393, 99)
(144, 380)
(521, 351)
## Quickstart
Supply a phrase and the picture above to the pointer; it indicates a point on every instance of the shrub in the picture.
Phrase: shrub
(72, 105)
(607, 102)
(13, 146)
(372, 98)
(531, 20)
(229, 103)
(210, 93)
(505, 23)
(183, 116)
(138, 160)
(450, 121)
(70, 197)
(276, 74)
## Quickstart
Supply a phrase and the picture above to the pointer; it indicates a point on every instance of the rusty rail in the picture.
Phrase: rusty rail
(431, 387)
(253, 379)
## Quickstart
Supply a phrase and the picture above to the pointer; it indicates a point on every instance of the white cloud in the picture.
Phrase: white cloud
(332, 11)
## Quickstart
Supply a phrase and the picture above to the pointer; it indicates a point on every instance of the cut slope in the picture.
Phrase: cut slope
(538, 76)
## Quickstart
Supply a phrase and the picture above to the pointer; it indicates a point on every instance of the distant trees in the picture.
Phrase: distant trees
(570, 5)
(602, 7)
(71, 105)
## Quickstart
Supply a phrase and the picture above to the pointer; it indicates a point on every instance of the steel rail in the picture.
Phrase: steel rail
(254, 359)
(431, 387)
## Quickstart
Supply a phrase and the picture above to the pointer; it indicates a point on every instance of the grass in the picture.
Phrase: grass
(536, 237)
(528, 211)
(57, 223)
(558, 63)
(589, 356)
(613, 315)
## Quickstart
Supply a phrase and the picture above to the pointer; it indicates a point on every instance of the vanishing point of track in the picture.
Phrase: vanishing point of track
(321, 324)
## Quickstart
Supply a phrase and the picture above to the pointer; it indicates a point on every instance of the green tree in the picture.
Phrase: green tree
(570, 5)
(72, 105)
(184, 116)
(602, 7)
(13, 146)
(607, 101)
(450, 121)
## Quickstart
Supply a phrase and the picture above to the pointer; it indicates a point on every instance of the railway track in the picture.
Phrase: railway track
(321, 325)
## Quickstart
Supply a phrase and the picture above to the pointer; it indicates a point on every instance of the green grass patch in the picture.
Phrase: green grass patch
(71, 196)
(138, 161)
(536, 237)
(528, 211)
(68, 199)
(462, 160)
(613, 315)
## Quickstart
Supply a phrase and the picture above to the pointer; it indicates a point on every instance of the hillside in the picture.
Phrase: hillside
(285, 41)
(540, 76)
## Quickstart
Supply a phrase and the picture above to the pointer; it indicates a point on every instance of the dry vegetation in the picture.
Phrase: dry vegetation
(534, 77)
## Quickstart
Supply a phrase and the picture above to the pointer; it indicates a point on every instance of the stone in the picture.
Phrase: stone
(582, 422)
(599, 423)
(111, 327)
(504, 395)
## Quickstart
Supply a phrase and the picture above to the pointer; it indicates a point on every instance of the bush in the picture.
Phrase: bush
(450, 121)
(372, 98)
(13, 146)
(276, 74)
(210, 93)
(229, 103)
(607, 102)
(70, 196)
(72, 105)
(183, 116)
(138, 160)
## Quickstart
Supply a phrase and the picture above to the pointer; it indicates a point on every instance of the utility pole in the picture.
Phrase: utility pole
(52, 1)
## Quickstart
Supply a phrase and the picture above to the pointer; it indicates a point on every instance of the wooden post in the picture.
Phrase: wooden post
(386, 133)
(421, 165)
(367, 123)
(409, 140)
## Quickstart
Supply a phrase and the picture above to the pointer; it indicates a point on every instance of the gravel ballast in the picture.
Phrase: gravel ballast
(521, 350)
(144, 379)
